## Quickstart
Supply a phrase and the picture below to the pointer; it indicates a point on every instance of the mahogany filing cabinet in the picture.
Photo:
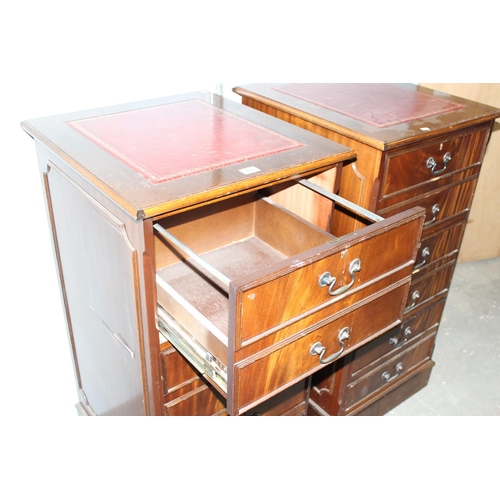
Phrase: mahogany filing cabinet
(414, 147)
(197, 264)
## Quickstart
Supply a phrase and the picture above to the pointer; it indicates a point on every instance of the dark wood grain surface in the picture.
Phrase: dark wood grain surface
(415, 147)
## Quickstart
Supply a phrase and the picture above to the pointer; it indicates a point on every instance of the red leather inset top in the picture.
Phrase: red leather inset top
(378, 104)
(174, 140)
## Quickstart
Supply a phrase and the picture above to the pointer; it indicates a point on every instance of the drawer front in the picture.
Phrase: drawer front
(277, 313)
(390, 372)
(396, 339)
(401, 391)
(440, 205)
(290, 402)
(178, 375)
(204, 401)
(274, 369)
(437, 247)
(350, 263)
(410, 168)
(423, 290)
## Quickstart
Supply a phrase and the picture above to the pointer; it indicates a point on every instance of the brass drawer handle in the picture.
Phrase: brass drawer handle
(414, 297)
(319, 349)
(425, 253)
(326, 279)
(435, 210)
(432, 164)
(394, 340)
(386, 376)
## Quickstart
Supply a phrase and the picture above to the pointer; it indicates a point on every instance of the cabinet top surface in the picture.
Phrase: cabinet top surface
(168, 154)
(382, 115)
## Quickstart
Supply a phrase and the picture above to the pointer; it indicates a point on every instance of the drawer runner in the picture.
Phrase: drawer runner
(203, 360)
(341, 201)
(208, 267)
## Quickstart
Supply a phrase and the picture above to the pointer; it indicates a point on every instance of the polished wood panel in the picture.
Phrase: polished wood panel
(339, 394)
(390, 371)
(98, 266)
(426, 288)
(334, 257)
(178, 376)
(264, 326)
(203, 401)
(269, 372)
(389, 344)
(452, 200)
(186, 392)
(107, 189)
(307, 204)
(357, 183)
(140, 198)
(381, 138)
(102, 213)
(393, 138)
(291, 402)
(479, 242)
(400, 392)
(362, 180)
(407, 169)
(329, 384)
(438, 248)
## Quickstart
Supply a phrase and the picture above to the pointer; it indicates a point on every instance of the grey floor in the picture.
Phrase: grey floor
(466, 378)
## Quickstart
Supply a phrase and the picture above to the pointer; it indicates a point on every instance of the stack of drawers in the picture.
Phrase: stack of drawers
(187, 393)
(425, 158)
(192, 283)
(286, 314)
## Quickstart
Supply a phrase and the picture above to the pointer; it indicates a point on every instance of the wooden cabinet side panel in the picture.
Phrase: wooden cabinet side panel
(99, 278)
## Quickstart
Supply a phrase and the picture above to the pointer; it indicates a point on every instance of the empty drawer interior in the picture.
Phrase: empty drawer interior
(235, 238)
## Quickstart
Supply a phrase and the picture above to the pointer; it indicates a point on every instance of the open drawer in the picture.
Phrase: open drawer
(258, 298)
